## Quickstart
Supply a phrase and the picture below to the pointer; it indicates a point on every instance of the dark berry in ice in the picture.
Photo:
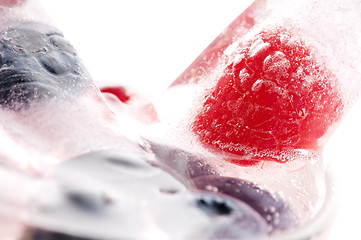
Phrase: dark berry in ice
(184, 163)
(36, 62)
(88, 201)
(49, 235)
(133, 174)
(246, 222)
(197, 167)
(127, 162)
(215, 205)
(271, 207)
(143, 196)
(273, 96)
(119, 91)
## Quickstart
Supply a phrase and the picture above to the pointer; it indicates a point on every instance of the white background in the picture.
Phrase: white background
(147, 44)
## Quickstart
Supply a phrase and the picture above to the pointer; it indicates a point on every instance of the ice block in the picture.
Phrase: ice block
(273, 84)
(69, 171)
(79, 164)
(267, 94)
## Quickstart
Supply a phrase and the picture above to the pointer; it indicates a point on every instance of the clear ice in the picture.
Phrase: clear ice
(76, 164)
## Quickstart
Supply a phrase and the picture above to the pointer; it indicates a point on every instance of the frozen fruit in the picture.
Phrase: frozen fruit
(119, 91)
(139, 106)
(271, 207)
(88, 201)
(141, 193)
(11, 3)
(188, 165)
(130, 172)
(49, 235)
(214, 205)
(35, 63)
(239, 220)
(272, 96)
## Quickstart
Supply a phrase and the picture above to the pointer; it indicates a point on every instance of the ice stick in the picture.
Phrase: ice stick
(275, 82)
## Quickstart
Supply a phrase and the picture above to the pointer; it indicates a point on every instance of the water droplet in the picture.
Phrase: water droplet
(211, 188)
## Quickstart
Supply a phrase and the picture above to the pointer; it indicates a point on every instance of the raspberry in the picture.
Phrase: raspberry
(273, 96)
(119, 91)
(11, 3)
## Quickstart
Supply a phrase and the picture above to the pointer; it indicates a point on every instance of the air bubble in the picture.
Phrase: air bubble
(257, 47)
(211, 188)
(257, 85)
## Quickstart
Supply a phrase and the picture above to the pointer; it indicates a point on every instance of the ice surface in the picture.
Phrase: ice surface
(49, 99)
(119, 196)
(58, 174)
(333, 42)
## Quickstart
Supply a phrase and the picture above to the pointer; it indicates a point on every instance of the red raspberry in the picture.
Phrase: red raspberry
(272, 97)
(11, 3)
(118, 91)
